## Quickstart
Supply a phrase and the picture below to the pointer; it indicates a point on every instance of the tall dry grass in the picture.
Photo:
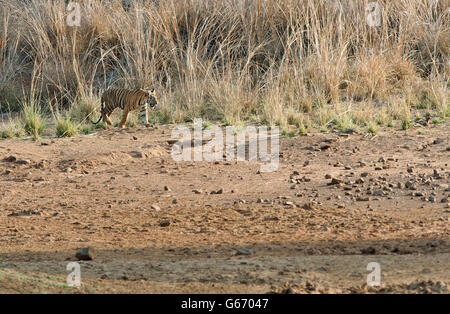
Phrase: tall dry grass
(271, 61)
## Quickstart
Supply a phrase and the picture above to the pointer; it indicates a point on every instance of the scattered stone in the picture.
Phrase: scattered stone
(164, 223)
(137, 154)
(335, 181)
(155, 207)
(85, 254)
(11, 158)
(243, 252)
(328, 176)
(308, 206)
(365, 174)
(197, 191)
(378, 192)
(369, 251)
(166, 188)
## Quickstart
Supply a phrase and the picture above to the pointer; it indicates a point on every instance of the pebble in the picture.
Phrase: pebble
(164, 223)
(85, 254)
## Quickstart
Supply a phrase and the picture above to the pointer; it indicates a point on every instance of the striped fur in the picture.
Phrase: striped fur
(127, 100)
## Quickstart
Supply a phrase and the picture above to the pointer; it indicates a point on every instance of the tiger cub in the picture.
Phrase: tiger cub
(127, 100)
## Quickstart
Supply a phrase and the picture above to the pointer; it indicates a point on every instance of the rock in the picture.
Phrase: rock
(378, 192)
(42, 164)
(85, 254)
(335, 181)
(219, 191)
(308, 206)
(137, 154)
(11, 158)
(369, 250)
(166, 188)
(164, 223)
(365, 174)
(243, 252)
(410, 170)
(135, 138)
(155, 207)
(197, 191)
(328, 176)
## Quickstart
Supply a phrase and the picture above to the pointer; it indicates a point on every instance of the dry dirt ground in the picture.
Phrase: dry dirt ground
(156, 226)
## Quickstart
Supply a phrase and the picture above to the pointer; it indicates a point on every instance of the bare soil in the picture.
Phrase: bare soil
(155, 226)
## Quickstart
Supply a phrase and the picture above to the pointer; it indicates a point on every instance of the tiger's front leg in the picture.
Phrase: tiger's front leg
(147, 124)
(124, 118)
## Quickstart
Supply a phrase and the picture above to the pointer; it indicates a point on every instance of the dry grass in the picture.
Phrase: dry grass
(270, 61)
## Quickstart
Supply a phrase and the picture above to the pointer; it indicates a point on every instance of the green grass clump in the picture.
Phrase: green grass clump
(65, 127)
(33, 120)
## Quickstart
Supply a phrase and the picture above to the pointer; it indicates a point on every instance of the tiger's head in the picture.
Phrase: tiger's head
(150, 97)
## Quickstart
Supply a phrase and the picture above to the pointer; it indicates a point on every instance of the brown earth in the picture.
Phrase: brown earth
(155, 226)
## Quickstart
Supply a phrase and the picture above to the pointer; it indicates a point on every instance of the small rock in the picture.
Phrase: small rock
(11, 158)
(164, 223)
(335, 181)
(369, 250)
(155, 207)
(137, 154)
(243, 252)
(85, 254)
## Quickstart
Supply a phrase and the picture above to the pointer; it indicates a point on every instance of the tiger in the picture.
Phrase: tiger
(127, 100)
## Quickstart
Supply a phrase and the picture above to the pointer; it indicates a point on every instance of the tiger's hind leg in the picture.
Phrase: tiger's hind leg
(106, 119)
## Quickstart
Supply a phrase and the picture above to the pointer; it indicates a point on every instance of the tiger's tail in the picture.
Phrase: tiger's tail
(102, 105)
